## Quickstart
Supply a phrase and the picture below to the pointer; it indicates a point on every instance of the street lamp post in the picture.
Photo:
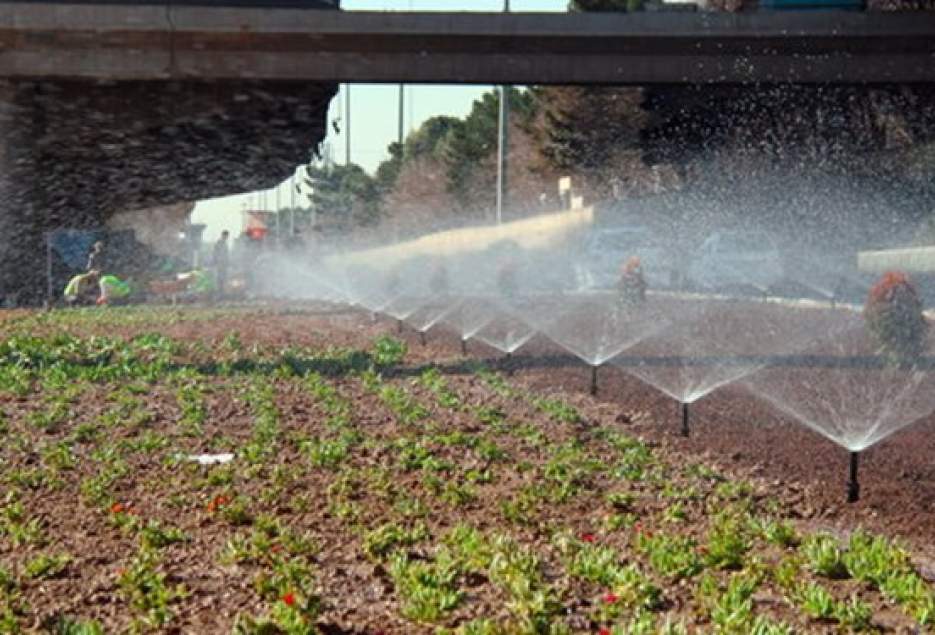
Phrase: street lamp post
(347, 124)
(503, 141)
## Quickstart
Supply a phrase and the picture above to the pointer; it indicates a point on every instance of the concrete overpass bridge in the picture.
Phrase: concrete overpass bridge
(108, 105)
(275, 41)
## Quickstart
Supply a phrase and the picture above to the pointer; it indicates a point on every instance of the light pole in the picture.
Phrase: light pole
(399, 136)
(292, 204)
(503, 141)
(347, 124)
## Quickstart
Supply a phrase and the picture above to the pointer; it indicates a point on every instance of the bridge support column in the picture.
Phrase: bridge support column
(74, 153)
(22, 252)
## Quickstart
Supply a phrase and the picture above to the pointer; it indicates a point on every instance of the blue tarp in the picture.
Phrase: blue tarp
(73, 245)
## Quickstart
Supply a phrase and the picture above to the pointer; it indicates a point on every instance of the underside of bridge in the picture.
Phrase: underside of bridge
(76, 153)
(124, 105)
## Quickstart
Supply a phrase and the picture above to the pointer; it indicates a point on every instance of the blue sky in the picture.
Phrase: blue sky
(374, 112)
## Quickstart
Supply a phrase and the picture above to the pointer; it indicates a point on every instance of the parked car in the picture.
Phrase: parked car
(606, 249)
(737, 259)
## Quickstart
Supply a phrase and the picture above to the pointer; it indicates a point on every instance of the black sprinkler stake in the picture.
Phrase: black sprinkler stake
(422, 337)
(593, 380)
(853, 487)
(685, 420)
(399, 327)
(464, 350)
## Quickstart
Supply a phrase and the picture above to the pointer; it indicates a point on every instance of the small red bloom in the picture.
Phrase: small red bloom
(603, 631)
(610, 598)
(276, 548)
(588, 537)
(637, 527)
(217, 503)
(117, 508)
(289, 599)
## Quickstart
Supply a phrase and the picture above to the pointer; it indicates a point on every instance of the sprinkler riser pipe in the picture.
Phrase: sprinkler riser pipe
(399, 326)
(464, 350)
(593, 380)
(422, 337)
(685, 429)
(853, 486)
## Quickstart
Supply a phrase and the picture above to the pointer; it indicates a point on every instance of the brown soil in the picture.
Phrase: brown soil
(730, 430)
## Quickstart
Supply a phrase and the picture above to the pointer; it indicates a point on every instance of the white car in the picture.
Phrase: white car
(730, 259)
(606, 249)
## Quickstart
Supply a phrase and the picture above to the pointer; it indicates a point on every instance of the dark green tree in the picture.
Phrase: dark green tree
(466, 146)
(460, 145)
(584, 128)
(344, 195)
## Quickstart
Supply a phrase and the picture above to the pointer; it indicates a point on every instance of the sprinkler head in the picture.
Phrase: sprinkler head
(853, 487)
(593, 380)
(685, 431)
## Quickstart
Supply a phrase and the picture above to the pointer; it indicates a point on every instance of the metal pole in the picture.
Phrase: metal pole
(347, 124)
(278, 217)
(292, 206)
(503, 142)
(399, 136)
(50, 293)
(685, 420)
(853, 487)
(593, 380)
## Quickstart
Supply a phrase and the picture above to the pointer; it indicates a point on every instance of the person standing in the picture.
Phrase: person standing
(221, 259)
(96, 257)
(632, 285)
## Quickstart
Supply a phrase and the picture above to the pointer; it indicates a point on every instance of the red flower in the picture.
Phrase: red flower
(289, 599)
(117, 508)
(603, 631)
(217, 503)
(588, 537)
(610, 598)
(637, 527)
(276, 548)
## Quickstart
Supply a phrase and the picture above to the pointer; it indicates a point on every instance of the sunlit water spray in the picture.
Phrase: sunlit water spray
(712, 343)
(841, 388)
(595, 326)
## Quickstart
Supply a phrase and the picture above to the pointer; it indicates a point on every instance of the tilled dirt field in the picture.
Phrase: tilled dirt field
(419, 500)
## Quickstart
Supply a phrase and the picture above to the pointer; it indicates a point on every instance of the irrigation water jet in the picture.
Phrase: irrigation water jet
(853, 487)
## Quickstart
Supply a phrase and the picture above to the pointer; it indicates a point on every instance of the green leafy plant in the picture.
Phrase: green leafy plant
(824, 556)
(388, 351)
